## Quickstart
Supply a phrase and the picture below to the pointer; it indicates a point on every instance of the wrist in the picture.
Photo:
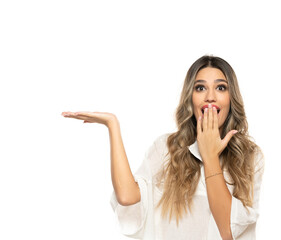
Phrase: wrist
(212, 166)
(210, 158)
(112, 122)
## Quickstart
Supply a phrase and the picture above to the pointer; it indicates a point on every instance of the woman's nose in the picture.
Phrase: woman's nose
(210, 96)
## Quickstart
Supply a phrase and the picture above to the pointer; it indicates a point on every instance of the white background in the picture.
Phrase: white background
(129, 58)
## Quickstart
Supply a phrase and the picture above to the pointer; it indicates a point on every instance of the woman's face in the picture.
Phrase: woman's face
(211, 86)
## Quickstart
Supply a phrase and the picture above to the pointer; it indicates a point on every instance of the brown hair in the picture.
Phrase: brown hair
(182, 171)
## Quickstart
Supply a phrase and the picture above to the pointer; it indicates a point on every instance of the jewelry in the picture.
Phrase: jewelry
(213, 175)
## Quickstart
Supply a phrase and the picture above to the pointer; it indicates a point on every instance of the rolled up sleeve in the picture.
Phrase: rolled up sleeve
(131, 218)
(241, 219)
(135, 220)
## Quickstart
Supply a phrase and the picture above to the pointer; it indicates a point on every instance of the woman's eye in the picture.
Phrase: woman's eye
(221, 87)
(199, 88)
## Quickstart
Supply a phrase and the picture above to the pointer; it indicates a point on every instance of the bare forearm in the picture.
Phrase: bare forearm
(125, 187)
(219, 197)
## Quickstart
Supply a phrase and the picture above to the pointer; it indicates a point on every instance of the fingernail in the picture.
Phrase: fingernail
(235, 131)
(209, 105)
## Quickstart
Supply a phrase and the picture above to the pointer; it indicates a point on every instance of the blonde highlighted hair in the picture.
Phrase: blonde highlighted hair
(182, 171)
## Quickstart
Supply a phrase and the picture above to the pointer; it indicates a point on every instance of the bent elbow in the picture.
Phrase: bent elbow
(128, 200)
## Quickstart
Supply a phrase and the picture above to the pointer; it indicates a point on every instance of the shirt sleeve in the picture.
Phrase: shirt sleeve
(241, 219)
(133, 218)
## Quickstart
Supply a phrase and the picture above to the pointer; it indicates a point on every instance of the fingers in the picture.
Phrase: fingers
(216, 124)
(210, 117)
(66, 114)
(210, 120)
(228, 136)
(76, 115)
(205, 119)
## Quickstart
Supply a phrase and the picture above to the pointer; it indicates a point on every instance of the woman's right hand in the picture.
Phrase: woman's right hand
(126, 189)
(92, 117)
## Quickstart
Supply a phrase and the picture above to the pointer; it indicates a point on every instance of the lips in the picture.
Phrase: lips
(206, 106)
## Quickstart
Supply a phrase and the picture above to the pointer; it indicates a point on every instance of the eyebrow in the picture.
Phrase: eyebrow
(217, 80)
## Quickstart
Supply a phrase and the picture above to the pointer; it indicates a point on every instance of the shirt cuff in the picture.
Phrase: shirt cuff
(131, 218)
(241, 218)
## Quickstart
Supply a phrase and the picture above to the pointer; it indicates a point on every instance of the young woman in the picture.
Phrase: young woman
(202, 181)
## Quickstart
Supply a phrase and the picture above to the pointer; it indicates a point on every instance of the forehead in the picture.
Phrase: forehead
(210, 74)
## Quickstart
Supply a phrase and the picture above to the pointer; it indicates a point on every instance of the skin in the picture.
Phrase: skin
(209, 141)
(104, 118)
(126, 189)
(211, 92)
(211, 145)
(210, 125)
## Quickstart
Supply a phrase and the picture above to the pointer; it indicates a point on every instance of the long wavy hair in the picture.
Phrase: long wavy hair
(182, 169)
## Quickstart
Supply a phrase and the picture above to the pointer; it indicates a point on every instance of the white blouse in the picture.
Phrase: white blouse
(143, 221)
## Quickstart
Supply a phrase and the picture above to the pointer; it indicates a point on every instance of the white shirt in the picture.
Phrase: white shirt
(142, 221)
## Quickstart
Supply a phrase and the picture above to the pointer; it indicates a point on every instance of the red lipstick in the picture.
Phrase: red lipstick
(207, 106)
(213, 105)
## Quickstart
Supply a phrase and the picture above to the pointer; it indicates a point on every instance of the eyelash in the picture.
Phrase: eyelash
(196, 87)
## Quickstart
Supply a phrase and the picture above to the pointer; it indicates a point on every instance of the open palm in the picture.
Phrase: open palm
(91, 117)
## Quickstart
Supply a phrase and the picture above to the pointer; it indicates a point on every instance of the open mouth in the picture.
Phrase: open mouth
(202, 110)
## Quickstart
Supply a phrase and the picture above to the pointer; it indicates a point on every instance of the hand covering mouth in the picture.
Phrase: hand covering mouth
(206, 106)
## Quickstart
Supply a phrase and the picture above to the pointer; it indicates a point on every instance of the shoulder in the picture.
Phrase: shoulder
(259, 164)
(157, 152)
(160, 143)
(259, 160)
(162, 138)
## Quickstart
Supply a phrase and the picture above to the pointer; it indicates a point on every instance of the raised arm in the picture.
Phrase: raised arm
(126, 189)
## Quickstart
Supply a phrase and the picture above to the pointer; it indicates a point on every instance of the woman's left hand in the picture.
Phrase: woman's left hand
(209, 141)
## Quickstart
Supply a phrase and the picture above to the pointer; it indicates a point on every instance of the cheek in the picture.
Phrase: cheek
(225, 103)
(196, 97)
(226, 108)
(195, 103)
(223, 117)
(225, 100)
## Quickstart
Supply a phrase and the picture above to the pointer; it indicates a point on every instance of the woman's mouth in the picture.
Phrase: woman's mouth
(203, 108)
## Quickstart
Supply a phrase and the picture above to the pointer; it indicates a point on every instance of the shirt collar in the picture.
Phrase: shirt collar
(193, 148)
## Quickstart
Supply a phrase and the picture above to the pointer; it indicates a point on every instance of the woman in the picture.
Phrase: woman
(202, 181)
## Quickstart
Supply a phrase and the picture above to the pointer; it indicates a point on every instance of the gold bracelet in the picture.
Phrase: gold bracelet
(213, 175)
